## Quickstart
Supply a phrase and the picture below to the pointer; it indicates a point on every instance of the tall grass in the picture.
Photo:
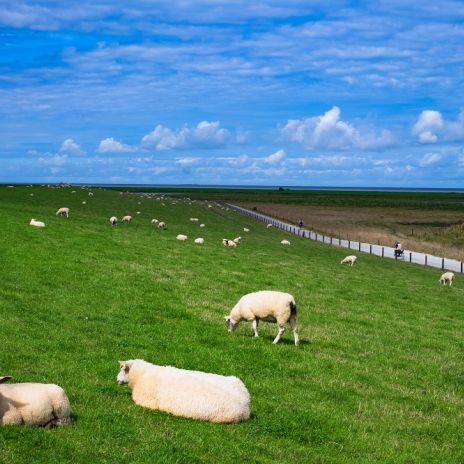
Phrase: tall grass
(378, 376)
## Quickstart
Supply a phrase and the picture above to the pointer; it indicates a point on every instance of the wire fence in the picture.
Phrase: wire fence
(379, 250)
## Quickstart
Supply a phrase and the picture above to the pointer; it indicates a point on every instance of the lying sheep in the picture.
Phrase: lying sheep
(350, 260)
(194, 219)
(154, 221)
(113, 220)
(182, 237)
(192, 394)
(199, 241)
(228, 243)
(202, 225)
(237, 240)
(33, 404)
(269, 226)
(63, 212)
(161, 225)
(285, 242)
(447, 277)
(245, 229)
(37, 223)
(127, 219)
(266, 305)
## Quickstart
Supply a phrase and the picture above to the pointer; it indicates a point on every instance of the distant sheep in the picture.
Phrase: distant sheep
(228, 243)
(194, 219)
(447, 277)
(84, 202)
(33, 404)
(182, 237)
(127, 219)
(90, 194)
(154, 221)
(245, 229)
(113, 220)
(285, 242)
(161, 225)
(193, 394)
(199, 241)
(237, 240)
(350, 260)
(266, 305)
(269, 226)
(202, 225)
(63, 212)
(37, 223)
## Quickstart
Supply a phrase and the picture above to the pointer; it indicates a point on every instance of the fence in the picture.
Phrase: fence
(383, 251)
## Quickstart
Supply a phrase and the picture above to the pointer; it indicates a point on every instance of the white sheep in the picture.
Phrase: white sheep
(90, 194)
(154, 221)
(37, 223)
(285, 242)
(193, 394)
(245, 229)
(447, 277)
(161, 225)
(269, 226)
(127, 219)
(63, 212)
(182, 237)
(228, 243)
(113, 220)
(33, 404)
(199, 241)
(237, 240)
(268, 306)
(350, 260)
(84, 202)
(194, 219)
(202, 225)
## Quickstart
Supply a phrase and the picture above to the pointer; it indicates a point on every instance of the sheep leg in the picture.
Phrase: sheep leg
(255, 327)
(279, 334)
(292, 322)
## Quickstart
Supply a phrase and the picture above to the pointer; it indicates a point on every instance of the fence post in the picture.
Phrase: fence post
(461, 267)
(410, 256)
(443, 263)
(426, 260)
(331, 240)
(359, 243)
(370, 249)
(349, 244)
(383, 252)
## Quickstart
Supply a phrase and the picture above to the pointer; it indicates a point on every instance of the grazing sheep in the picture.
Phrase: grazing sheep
(237, 240)
(266, 305)
(194, 219)
(193, 394)
(37, 223)
(447, 277)
(228, 243)
(84, 202)
(113, 220)
(90, 194)
(350, 260)
(202, 225)
(245, 229)
(182, 237)
(63, 212)
(199, 241)
(161, 225)
(269, 226)
(285, 242)
(33, 404)
(127, 219)
(154, 221)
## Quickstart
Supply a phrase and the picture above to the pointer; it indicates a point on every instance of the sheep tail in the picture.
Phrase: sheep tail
(292, 308)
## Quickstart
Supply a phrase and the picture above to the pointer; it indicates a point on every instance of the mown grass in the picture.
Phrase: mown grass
(378, 376)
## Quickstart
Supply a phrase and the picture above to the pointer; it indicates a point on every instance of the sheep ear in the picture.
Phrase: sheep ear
(227, 318)
(122, 364)
(5, 378)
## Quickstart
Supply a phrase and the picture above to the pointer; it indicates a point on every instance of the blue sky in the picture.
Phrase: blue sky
(344, 93)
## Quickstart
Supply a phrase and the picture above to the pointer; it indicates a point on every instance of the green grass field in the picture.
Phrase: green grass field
(378, 377)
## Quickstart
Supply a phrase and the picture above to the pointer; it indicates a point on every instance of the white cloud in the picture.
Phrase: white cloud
(275, 157)
(205, 134)
(329, 131)
(431, 127)
(70, 147)
(110, 145)
(430, 158)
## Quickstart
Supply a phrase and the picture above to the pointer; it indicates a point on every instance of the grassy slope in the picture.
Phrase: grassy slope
(381, 380)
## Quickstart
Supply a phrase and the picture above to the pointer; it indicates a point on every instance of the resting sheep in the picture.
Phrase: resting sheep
(63, 212)
(266, 305)
(127, 219)
(199, 241)
(154, 221)
(161, 225)
(192, 394)
(182, 237)
(228, 243)
(37, 223)
(350, 260)
(269, 226)
(194, 219)
(202, 225)
(245, 229)
(33, 404)
(113, 220)
(237, 240)
(285, 242)
(447, 277)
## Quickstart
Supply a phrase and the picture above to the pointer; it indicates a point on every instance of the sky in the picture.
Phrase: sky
(301, 92)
